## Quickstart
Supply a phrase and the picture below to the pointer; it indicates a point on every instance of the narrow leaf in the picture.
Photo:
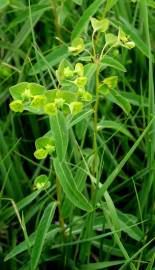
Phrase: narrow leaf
(53, 58)
(100, 265)
(126, 222)
(60, 134)
(120, 101)
(135, 99)
(20, 205)
(41, 234)
(111, 62)
(22, 246)
(78, 2)
(23, 33)
(117, 170)
(90, 11)
(114, 125)
(81, 116)
(69, 186)
(109, 5)
(134, 35)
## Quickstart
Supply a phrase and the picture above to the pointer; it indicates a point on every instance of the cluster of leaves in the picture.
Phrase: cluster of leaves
(37, 99)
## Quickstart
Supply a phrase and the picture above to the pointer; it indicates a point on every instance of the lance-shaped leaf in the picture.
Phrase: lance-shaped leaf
(115, 97)
(41, 234)
(60, 134)
(111, 62)
(69, 186)
(104, 124)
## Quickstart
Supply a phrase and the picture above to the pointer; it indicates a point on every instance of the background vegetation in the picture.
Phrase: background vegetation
(35, 231)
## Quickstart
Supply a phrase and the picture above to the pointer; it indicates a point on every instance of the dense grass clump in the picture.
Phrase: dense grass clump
(77, 143)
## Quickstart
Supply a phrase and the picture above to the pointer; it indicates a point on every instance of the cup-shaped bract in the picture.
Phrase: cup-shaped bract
(50, 108)
(17, 106)
(42, 181)
(81, 81)
(25, 90)
(44, 146)
(75, 107)
(77, 46)
(38, 101)
(100, 25)
(40, 153)
(79, 69)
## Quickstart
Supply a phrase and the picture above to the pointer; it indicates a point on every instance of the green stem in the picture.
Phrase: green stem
(56, 19)
(59, 199)
(93, 45)
(95, 147)
(85, 248)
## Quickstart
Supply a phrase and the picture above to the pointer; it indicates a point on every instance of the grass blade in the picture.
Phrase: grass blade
(53, 58)
(100, 265)
(134, 35)
(151, 111)
(90, 11)
(116, 171)
(9, 212)
(114, 125)
(109, 5)
(41, 234)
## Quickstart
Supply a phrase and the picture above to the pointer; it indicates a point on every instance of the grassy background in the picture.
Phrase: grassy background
(34, 37)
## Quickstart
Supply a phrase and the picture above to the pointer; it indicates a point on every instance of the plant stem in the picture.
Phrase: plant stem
(56, 19)
(59, 199)
(86, 247)
(95, 148)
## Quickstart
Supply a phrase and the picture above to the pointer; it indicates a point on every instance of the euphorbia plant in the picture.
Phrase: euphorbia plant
(67, 105)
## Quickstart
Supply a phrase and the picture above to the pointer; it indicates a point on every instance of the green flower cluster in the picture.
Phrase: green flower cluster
(35, 98)
(44, 146)
(76, 77)
(42, 182)
(27, 96)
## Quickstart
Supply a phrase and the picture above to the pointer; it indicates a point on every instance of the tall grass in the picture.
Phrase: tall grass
(98, 212)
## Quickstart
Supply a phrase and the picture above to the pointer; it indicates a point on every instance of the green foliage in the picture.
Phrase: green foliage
(69, 186)
(60, 134)
(100, 25)
(77, 46)
(77, 135)
(41, 232)
(3, 3)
